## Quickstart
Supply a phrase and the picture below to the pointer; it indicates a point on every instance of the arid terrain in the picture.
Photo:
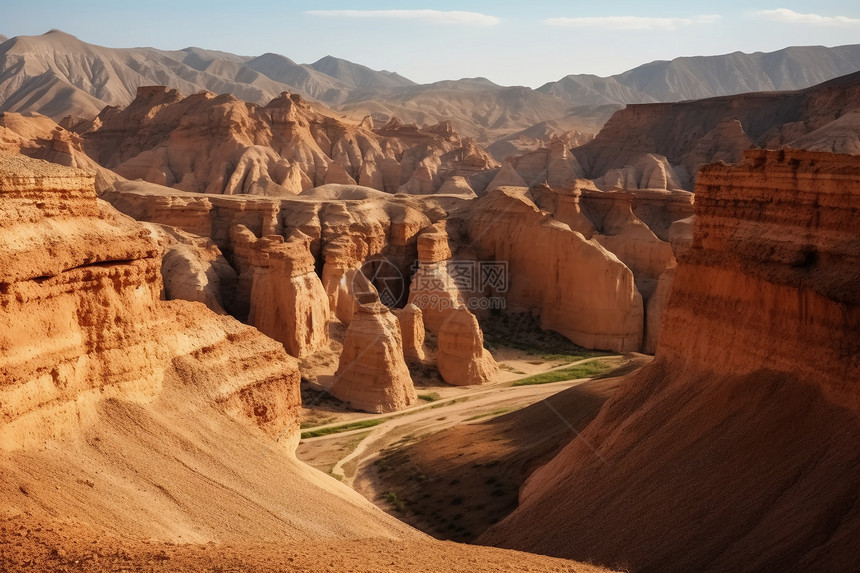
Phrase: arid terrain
(265, 316)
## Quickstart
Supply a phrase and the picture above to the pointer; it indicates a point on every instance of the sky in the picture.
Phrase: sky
(511, 42)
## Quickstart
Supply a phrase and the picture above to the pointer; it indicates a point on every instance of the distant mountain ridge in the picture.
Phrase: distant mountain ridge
(57, 74)
(700, 77)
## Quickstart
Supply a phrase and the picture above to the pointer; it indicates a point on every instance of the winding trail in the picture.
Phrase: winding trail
(457, 406)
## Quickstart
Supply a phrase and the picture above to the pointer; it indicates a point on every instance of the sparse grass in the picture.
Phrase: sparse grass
(585, 370)
(574, 356)
(431, 397)
(350, 446)
(508, 368)
(448, 403)
(312, 423)
(343, 428)
(497, 412)
(396, 503)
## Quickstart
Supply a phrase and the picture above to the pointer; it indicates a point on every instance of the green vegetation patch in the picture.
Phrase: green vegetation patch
(396, 503)
(584, 370)
(342, 428)
(431, 397)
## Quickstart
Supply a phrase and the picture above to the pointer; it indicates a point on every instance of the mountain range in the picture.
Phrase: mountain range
(57, 74)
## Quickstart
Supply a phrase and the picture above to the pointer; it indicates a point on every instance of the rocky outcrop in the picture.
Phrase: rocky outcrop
(645, 171)
(412, 333)
(40, 137)
(687, 134)
(462, 359)
(508, 229)
(280, 149)
(631, 240)
(193, 268)
(433, 288)
(372, 374)
(82, 319)
(507, 176)
(732, 449)
(287, 301)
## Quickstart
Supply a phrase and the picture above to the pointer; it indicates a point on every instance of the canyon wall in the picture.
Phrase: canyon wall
(544, 262)
(412, 244)
(82, 318)
(662, 145)
(734, 449)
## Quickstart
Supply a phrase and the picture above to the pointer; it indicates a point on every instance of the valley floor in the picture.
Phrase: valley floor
(452, 465)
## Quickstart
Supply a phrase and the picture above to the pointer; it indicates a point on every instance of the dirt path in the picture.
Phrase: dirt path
(411, 424)
(450, 393)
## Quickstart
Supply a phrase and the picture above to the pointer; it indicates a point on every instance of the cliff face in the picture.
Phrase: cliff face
(775, 262)
(414, 240)
(82, 319)
(735, 448)
(39, 137)
(544, 262)
(684, 135)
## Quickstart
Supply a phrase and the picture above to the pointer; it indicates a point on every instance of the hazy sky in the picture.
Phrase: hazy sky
(517, 42)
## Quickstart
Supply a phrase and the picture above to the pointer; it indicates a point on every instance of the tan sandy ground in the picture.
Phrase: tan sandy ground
(466, 440)
(27, 544)
(173, 486)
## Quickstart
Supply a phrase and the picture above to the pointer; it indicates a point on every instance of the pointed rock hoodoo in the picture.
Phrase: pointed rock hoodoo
(372, 374)
(462, 359)
(507, 177)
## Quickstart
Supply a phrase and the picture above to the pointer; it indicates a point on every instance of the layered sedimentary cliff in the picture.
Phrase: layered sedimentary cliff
(40, 137)
(603, 311)
(735, 448)
(82, 317)
(412, 245)
(132, 415)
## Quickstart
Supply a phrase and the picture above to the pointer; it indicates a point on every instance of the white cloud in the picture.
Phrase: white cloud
(434, 16)
(631, 22)
(791, 17)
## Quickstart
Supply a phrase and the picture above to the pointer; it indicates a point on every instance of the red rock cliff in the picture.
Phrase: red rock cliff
(736, 449)
(81, 318)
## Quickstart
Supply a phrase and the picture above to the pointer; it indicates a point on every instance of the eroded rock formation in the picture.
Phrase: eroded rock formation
(193, 268)
(734, 448)
(221, 145)
(462, 359)
(82, 318)
(412, 332)
(604, 311)
(644, 145)
(287, 300)
(372, 374)
(40, 137)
